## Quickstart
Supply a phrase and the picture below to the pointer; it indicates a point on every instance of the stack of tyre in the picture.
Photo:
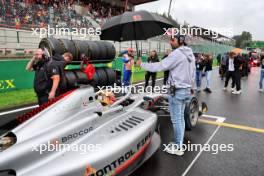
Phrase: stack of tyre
(96, 51)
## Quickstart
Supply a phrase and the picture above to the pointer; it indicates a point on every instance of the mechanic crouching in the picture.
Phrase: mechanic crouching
(181, 66)
(48, 74)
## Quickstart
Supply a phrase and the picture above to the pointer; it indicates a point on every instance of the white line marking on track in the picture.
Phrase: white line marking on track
(17, 110)
(201, 151)
(219, 119)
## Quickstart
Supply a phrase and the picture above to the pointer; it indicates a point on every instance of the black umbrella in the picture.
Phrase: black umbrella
(138, 25)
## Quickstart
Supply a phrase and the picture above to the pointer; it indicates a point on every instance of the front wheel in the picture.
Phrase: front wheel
(191, 114)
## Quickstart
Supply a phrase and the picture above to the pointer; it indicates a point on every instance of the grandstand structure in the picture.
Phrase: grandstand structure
(19, 19)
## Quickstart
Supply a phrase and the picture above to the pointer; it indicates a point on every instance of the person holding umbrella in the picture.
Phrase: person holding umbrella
(181, 64)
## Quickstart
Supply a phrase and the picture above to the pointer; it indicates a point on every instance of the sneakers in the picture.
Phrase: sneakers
(261, 90)
(173, 150)
(233, 89)
(237, 92)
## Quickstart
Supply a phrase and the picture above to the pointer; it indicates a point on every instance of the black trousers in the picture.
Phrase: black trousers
(42, 98)
(245, 70)
(166, 76)
(236, 79)
(153, 77)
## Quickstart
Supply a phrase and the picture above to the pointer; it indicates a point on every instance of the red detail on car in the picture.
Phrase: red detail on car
(35, 111)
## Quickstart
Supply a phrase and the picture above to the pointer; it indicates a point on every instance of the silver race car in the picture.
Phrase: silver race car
(81, 133)
(84, 131)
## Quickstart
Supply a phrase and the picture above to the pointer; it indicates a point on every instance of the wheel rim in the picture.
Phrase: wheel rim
(194, 112)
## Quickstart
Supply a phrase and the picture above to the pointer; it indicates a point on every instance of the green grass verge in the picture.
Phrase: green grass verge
(17, 98)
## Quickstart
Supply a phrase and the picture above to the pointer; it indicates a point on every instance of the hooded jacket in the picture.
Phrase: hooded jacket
(180, 63)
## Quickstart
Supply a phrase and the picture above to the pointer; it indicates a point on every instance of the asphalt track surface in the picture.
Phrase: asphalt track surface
(231, 119)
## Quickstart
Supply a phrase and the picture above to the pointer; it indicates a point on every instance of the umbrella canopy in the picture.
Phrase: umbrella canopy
(237, 50)
(139, 25)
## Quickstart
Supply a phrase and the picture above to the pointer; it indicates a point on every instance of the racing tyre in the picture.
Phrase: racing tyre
(191, 114)
(69, 45)
(111, 52)
(102, 51)
(82, 48)
(102, 77)
(95, 80)
(94, 50)
(54, 46)
(71, 79)
(110, 76)
(81, 77)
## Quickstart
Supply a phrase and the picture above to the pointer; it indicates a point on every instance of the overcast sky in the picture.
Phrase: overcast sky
(238, 15)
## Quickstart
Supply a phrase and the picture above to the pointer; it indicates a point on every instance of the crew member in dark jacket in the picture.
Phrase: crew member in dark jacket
(152, 58)
(48, 74)
(234, 66)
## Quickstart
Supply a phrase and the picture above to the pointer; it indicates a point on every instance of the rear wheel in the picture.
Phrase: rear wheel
(191, 114)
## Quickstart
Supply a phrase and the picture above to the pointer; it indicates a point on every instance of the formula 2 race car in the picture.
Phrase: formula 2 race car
(84, 131)
(97, 139)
